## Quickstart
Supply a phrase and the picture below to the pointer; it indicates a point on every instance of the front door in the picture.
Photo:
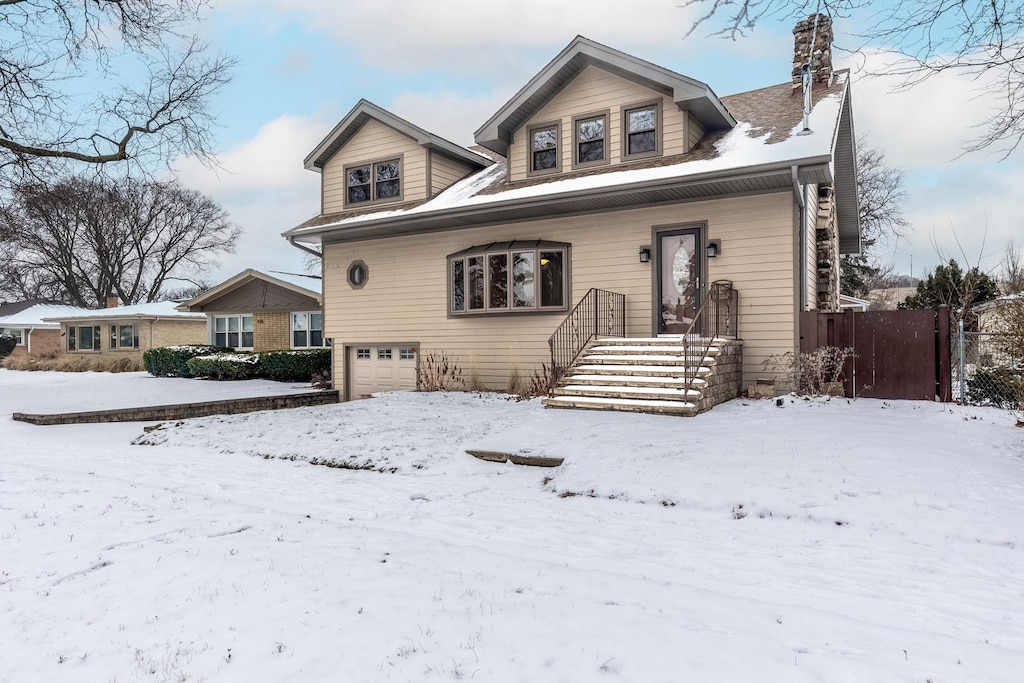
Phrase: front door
(678, 279)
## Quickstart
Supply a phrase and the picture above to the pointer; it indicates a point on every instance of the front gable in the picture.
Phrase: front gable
(373, 158)
(251, 291)
(587, 83)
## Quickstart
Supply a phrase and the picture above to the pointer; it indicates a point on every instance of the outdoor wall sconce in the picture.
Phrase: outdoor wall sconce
(714, 248)
(645, 254)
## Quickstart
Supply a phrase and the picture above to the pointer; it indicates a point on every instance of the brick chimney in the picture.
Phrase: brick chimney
(111, 301)
(821, 54)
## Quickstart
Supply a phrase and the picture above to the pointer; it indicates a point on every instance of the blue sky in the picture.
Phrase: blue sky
(448, 65)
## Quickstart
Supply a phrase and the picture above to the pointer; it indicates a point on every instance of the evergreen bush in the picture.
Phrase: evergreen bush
(295, 366)
(172, 361)
(7, 344)
(231, 365)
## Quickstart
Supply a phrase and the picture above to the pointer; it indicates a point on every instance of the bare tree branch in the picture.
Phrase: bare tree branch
(984, 40)
(82, 238)
(64, 103)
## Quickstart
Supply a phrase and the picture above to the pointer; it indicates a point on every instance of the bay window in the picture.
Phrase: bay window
(509, 277)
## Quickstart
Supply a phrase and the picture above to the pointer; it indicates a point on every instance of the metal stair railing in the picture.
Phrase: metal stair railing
(716, 317)
(598, 313)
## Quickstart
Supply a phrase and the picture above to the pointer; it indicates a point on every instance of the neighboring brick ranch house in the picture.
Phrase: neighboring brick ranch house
(609, 199)
(25, 322)
(253, 311)
(127, 331)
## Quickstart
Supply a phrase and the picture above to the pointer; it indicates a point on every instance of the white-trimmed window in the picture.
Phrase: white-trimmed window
(308, 330)
(16, 332)
(232, 331)
(377, 181)
(124, 336)
(83, 338)
(509, 277)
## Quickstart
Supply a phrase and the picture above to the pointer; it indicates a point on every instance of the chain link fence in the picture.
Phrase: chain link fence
(984, 374)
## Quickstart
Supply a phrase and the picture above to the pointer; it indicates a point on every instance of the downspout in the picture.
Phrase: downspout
(28, 341)
(308, 250)
(799, 195)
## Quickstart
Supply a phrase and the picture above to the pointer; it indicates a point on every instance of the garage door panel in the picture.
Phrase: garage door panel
(378, 367)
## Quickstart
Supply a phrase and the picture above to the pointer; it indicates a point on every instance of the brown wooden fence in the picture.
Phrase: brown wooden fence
(897, 354)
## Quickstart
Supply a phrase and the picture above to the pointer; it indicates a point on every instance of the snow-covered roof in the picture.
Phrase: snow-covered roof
(157, 309)
(39, 315)
(769, 139)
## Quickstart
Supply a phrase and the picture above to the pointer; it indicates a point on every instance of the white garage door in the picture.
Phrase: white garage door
(381, 368)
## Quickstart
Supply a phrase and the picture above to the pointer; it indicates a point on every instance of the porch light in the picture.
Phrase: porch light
(714, 248)
(645, 255)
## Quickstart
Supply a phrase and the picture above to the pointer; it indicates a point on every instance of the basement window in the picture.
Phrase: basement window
(509, 277)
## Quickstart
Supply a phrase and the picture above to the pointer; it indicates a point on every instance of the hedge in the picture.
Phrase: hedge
(225, 366)
(7, 344)
(295, 366)
(172, 361)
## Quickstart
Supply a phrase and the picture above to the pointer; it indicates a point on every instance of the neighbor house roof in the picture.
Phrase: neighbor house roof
(39, 315)
(307, 285)
(366, 110)
(766, 151)
(151, 311)
(688, 94)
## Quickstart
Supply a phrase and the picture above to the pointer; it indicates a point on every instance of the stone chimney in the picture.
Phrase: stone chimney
(820, 54)
(111, 301)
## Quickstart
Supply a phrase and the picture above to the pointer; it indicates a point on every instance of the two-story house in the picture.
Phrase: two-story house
(604, 199)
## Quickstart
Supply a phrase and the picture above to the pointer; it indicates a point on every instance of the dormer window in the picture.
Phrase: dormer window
(591, 140)
(544, 153)
(640, 131)
(374, 182)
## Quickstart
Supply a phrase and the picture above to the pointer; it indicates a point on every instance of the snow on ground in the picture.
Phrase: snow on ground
(820, 541)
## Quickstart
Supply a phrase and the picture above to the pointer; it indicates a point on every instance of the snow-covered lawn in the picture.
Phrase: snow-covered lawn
(822, 541)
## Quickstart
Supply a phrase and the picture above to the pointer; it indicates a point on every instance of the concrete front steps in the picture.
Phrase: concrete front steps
(646, 375)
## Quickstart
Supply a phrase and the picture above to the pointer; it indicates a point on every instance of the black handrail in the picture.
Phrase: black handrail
(598, 313)
(717, 317)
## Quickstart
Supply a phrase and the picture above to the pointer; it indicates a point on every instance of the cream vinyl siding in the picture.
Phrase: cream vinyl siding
(445, 172)
(694, 132)
(375, 142)
(595, 90)
(405, 296)
(810, 234)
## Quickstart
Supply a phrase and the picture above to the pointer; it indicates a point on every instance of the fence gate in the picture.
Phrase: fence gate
(897, 354)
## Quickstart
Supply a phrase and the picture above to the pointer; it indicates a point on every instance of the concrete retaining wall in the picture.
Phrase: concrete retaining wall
(181, 411)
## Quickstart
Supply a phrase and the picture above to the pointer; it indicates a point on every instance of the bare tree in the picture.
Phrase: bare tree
(82, 239)
(981, 39)
(99, 82)
(882, 197)
(1012, 280)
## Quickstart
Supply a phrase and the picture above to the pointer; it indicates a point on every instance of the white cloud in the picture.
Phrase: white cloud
(264, 187)
(499, 39)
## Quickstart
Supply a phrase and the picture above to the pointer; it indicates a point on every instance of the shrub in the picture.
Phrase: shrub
(439, 373)
(543, 381)
(7, 344)
(811, 373)
(74, 364)
(1002, 387)
(295, 366)
(225, 366)
(172, 361)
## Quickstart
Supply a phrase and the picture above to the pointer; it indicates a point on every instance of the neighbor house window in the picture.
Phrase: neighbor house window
(372, 182)
(591, 140)
(543, 141)
(15, 332)
(84, 338)
(510, 277)
(640, 131)
(233, 331)
(124, 336)
(307, 330)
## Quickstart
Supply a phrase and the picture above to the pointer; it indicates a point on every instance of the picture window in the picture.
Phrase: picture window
(522, 277)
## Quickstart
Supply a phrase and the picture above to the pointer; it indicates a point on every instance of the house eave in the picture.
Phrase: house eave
(752, 180)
